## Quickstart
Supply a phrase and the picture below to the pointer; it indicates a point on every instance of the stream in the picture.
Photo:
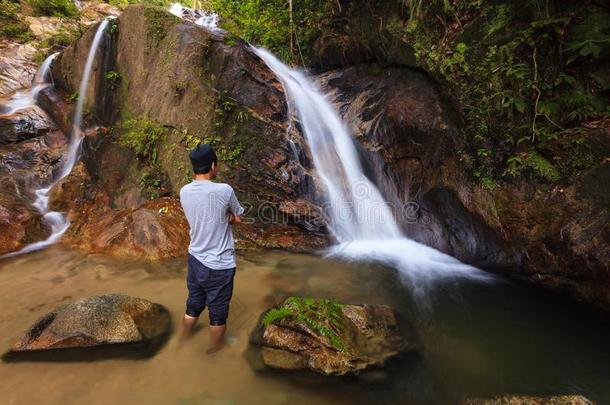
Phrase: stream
(478, 339)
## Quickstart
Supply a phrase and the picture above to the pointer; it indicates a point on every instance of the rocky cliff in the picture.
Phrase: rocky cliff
(162, 85)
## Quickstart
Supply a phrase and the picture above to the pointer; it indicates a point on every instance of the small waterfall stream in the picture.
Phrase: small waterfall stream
(360, 220)
(24, 99)
(58, 221)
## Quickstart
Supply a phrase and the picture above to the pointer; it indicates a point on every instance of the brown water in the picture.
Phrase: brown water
(478, 339)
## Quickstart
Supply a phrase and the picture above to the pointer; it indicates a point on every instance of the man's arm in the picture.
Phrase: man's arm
(235, 209)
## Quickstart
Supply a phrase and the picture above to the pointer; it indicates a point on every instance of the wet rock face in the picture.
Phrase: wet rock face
(194, 83)
(25, 124)
(24, 167)
(17, 67)
(408, 134)
(371, 335)
(96, 321)
(530, 400)
(557, 237)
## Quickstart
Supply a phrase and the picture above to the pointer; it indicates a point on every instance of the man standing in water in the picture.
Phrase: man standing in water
(209, 208)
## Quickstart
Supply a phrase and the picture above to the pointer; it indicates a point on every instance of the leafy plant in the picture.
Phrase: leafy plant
(113, 78)
(150, 183)
(142, 136)
(322, 316)
(73, 97)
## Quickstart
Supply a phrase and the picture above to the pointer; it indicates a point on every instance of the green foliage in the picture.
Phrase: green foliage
(18, 30)
(64, 37)
(150, 183)
(113, 26)
(142, 136)
(113, 79)
(55, 8)
(520, 74)
(322, 316)
(268, 23)
(159, 22)
(12, 25)
(73, 97)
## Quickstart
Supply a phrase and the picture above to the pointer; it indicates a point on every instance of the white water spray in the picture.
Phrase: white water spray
(200, 17)
(58, 222)
(359, 218)
(24, 99)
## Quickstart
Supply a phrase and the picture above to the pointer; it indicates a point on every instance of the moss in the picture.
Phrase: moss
(12, 24)
(159, 23)
(142, 136)
(113, 79)
(64, 37)
(56, 8)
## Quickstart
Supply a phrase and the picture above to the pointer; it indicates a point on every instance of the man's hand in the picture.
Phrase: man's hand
(234, 218)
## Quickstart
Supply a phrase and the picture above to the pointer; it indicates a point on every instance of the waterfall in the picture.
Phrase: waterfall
(24, 99)
(199, 17)
(57, 221)
(76, 136)
(360, 220)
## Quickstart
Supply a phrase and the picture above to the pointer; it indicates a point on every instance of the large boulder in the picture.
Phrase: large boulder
(194, 85)
(330, 338)
(96, 321)
(556, 237)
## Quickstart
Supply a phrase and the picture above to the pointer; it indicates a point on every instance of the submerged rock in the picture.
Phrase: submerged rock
(529, 400)
(96, 321)
(363, 336)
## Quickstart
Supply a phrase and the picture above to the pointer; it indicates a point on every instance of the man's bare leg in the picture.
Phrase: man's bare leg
(188, 325)
(217, 333)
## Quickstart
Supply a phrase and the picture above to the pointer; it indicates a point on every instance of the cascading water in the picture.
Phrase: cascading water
(200, 17)
(76, 137)
(57, 221)
(27, 98)
(358, 217)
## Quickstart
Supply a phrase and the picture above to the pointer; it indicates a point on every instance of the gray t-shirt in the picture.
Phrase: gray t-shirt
(207, 206)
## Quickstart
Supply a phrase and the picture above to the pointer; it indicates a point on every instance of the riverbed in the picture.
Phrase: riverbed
(477, 339)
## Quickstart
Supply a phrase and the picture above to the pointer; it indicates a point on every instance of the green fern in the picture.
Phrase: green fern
(322, 316)
(275, 315)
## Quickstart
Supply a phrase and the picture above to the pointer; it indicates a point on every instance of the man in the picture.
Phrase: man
(209, 208)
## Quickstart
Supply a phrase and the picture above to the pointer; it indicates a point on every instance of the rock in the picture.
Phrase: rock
(409, 135)
(557, 238)
(214, 87)
(96, 321)
(24, 167)
(529, 400)
(156, 230)
(370, 335)
(24, 124)
(17, 67)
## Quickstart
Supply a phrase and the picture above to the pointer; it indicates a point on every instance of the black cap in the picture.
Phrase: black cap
(202, 156)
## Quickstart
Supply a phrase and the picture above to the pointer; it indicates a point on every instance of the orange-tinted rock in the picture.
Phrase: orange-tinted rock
(370, 335)
(96, 321)
(156, 230)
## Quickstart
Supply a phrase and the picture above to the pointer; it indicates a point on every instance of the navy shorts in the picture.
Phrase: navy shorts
(211, 288)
